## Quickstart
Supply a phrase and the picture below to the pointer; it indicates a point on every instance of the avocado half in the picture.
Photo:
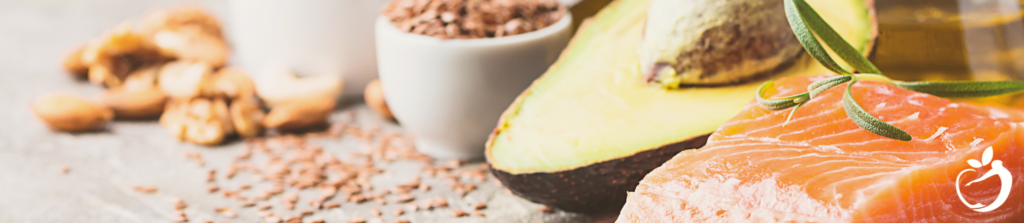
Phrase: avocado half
(590, 128)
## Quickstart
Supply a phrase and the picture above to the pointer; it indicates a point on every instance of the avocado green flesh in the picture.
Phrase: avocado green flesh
(592, 105)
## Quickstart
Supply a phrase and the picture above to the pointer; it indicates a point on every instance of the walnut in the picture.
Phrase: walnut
(115, 55)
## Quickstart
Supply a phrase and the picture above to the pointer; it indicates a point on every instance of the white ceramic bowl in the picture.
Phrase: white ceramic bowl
(309, 37)
(449, 94)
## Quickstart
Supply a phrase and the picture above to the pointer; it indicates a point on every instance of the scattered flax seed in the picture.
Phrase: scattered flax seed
(458, 213)
(479, 214)
(479, 206)
(412, 207)
(317, 221)
(294, 219)
(376, 220)
(546, 209)
(212, 188)
(306, 212)
(331, 205)
(248, 203)
(380, 201)
(424, 187)
(144, 189)
(63, 169)
(399, 212)
(374, 212)
(402, 221)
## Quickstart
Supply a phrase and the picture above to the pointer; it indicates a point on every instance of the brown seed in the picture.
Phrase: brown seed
(440, 202)
(374, 212)
(317, 221)
(458, 213)
(405, 198)
(178, 203)
(357, 219)
(402, 221)
(228, 213)
(424, 187)
(412, 207)
(479, 206)
(63, 169)
(212, 188)
(273, 219)
(546, 209)
(144, 189)
(306, 212)
(294, 219)
(399, 211)
(248, 203)
(263, 207)
(479, 214)
(331, 205)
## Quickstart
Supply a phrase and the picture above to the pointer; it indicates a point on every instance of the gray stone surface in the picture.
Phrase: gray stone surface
(34, 35)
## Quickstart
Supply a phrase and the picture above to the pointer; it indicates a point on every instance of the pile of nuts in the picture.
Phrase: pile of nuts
(172, 67)
(472, 19)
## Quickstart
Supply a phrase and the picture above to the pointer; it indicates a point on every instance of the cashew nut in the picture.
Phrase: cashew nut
(192, 44)
(65, 112)
(300, 114)
(74, 65)
(278, 86)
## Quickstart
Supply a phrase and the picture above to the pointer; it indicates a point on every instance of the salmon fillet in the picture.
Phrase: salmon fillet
(821, 167)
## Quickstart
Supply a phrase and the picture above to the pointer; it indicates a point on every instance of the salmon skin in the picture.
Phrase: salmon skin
(965, 164)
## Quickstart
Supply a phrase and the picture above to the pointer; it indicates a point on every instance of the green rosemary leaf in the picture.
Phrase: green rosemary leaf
(790, 116)
(963, 89)
(824, 84)
(834, 41)
(807, 39)
(775, 104)
(863, 119)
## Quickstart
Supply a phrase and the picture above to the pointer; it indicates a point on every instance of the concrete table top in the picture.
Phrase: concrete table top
(35, 35)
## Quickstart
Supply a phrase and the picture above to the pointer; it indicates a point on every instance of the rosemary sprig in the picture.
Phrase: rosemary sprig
(807, 25)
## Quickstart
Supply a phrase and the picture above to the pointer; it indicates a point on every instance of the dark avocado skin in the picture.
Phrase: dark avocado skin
(598, 188)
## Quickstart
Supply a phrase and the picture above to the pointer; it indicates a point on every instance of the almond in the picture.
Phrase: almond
(300, 114)
(65, 112)
(134, 104)
(374, 96)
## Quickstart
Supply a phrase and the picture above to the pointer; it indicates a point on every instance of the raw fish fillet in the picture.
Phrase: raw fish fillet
(821, 167)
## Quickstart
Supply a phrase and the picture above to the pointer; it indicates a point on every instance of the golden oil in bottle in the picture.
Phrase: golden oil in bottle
(932, 40)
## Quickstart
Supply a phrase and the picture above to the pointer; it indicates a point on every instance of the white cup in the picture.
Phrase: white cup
(449, 94)
(309, 37)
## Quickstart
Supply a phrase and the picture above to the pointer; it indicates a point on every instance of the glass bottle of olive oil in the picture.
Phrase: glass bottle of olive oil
(931, 40)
